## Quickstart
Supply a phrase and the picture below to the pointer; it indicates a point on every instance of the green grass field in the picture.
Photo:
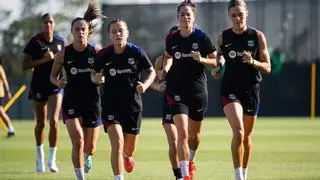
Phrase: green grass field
(284, 149)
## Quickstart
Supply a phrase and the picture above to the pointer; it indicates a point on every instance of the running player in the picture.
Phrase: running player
(190, 50)
(5, 92)
(46, 97)
(81, 101)
(167, 121)
(121, 64)
(246, 55)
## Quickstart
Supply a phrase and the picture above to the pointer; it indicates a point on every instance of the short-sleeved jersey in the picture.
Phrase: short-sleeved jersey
(186, 75)
(36, 48)
(122, 72)
(80, 91)
(233, 46)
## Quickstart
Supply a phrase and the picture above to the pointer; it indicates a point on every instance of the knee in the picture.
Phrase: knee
(194, 136)
(247, 139)
(183, 136)
(78, 144)
(40, 124)
(90, 149)
(238, 135)
(118, 146)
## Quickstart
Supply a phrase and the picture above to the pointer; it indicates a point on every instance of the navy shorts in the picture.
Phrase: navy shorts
(166, 113)
(43, 95)
(130, 122)
(90, 117)
(1, 101)
(249, 98)
(194, 106)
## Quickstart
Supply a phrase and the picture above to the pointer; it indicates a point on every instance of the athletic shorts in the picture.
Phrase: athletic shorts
(90, 118)
(166, 114)
(249, 98)
(130, 122)
(1, 101)
(43, 95)
(194, 106)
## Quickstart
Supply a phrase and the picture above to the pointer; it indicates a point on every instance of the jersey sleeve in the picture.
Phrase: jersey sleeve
(31, 47)
(210, 48)
(100, 61)
(145, 62)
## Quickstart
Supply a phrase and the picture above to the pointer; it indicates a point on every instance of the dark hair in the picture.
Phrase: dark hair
(173, 29)
(233, 3)
(116, 20)
(46, 15)
(187, 3)
(93, 12)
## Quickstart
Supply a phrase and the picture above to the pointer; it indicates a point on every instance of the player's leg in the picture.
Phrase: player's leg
(76, 135)
(249, 122)
(117, 143)
(54, 106)
(171, 133)
(7, 121)
(90, 144)
(40, 112)
(234, 114)
(194, 129)
(181, 122)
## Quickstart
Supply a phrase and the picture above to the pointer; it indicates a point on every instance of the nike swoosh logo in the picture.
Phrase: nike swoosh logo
(69, 62)
(174, 47)
(227, 45)
(107, 64)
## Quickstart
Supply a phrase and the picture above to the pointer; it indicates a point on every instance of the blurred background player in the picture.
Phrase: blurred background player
(46, 97)
(81, 101)
(246, 55)
(122, 64)
(5, 92)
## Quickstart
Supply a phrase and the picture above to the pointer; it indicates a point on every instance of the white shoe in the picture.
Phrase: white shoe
(53, 167)
(40, 165)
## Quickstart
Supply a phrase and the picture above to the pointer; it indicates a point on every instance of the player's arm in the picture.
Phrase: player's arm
(220, 61)
(29, 64)
(156, 84)
(56, 69)
(143, 86)
(166, 65)
(210, 60)
(263, 64)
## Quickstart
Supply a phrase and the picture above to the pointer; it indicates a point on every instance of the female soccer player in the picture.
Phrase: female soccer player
(5, 91)
(81, 101)
(189, 49)
(167, 121)
(246, 55)
(46, 97)
(121, 64)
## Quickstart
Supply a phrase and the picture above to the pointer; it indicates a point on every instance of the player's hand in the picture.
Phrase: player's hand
(99, 77)
(216, 72)
(196, 56)
(161, 74)
(49, 54)
(162, 86)
(140, 87)
(247, 58)
(61, 83)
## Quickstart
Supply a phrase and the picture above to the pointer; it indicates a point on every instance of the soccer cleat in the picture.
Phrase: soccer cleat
(87, 163)
(192, 169)
(128, 163)
(187, 178)
(40, 165)
(53, 167)
(10, 134)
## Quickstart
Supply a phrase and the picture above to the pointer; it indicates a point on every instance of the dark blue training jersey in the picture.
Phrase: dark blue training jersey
(186, 75)
(233, 45)
(122, 71)
(36, 48)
